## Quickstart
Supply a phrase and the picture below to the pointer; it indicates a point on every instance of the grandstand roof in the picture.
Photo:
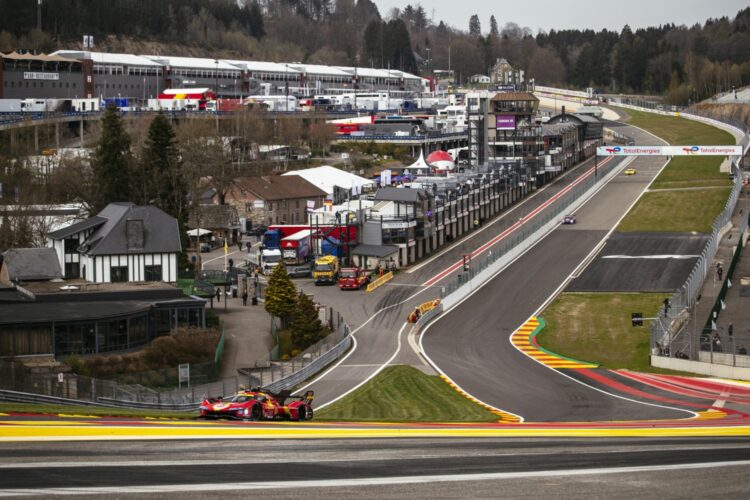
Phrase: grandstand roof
(107, 57)
(193, 62)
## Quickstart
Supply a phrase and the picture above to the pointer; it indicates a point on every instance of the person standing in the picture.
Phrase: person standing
(218, 295)
(244, 297)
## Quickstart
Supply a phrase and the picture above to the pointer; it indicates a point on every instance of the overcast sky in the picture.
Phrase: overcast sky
(572, 14)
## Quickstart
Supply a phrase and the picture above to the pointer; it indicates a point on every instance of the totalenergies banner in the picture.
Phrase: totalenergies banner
(669, 151)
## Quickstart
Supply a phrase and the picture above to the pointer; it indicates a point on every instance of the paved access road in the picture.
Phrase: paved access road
(471, 344)
(395, 468)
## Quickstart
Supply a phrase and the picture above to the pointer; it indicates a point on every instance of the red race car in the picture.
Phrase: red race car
(257, 404)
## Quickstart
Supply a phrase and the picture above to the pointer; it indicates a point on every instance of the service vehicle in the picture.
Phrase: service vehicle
(353, 278)
(295, 249)
(326, 270)
(569, 219)
(629, 171)
(257, 404)
(265, 259)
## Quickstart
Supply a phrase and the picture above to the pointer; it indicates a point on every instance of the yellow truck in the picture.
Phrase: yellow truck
(326, 270)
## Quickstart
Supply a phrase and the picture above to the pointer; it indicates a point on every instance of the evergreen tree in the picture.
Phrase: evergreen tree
(281, 295)
(306, 326)
(475, 27)
(112, 162)
(23, 236)
(494, 31)
(159, 179)
(7, 238)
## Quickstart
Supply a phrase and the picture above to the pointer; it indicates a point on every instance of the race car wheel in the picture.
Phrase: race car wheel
(255, 412)
(301, 414)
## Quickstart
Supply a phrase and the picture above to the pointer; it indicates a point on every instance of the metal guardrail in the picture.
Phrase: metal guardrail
(312, 368)
(665, 329)
(527, 233)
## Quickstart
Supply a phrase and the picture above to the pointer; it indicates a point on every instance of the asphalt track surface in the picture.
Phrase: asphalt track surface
(403, 468)
(642, 262)
(377, 318)
(470, 343)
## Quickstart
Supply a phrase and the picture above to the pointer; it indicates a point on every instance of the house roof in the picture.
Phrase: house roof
(326, 177)
(110, 236)
(77, 228)
(403, 195)
(280, 187)
(32, 264)
(216, 217)
(374, 250)
(514, 96)
(568, 117)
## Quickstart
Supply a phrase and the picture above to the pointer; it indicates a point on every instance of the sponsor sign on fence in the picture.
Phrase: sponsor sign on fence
(669, 150)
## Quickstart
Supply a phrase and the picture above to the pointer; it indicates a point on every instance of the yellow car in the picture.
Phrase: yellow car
(629, 171)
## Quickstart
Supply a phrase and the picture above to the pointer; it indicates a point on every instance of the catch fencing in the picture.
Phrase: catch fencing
(668, 334)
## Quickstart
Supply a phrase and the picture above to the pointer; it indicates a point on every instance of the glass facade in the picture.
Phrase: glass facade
(90, 337)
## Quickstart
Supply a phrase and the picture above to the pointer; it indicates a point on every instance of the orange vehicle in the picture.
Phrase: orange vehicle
(353, 278)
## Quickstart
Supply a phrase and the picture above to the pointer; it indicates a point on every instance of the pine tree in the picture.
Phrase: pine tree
(475, 27)
(494, 31)
(112, 162)
(7, 238)
(306, 326)
(281, 295)
(159, 178)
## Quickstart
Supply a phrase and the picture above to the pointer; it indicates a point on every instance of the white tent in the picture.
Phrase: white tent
(198, 232)
(420, 164)
(326, 177)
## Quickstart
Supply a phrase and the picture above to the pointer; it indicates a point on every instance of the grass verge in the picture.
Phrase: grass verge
(405, 394)
(92, 410)
(597, 327)
(679, 131)
(676, 211)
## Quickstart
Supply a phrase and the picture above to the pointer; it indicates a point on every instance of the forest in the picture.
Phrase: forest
(685, 63)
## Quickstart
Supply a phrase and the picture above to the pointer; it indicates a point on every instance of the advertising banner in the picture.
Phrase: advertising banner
(669, 151)
(505, 122)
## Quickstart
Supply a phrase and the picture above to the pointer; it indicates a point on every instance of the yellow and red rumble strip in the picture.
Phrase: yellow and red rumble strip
(524, 339)
(504, 416)
(38, 433)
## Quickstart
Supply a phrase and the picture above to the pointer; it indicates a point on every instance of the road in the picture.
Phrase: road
(378, 318)
(403, 468)
(471, 344)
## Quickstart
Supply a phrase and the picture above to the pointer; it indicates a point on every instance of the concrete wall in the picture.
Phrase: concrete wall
(713, 370)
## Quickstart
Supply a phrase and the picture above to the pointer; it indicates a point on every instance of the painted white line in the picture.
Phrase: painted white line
(371, 481)
(584, 263)
(523, 220)
(494, 221)
(657, 257)
(373, 374)
(354, 347)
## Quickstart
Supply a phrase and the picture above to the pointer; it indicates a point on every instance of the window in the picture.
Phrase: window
(118, 274)
(72, 270)
(152, 273)
(71, 245)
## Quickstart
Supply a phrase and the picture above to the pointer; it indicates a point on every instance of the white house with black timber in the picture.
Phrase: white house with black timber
(122, 243)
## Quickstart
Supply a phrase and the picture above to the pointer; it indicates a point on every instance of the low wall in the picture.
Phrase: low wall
(485, 275)
(712, 370)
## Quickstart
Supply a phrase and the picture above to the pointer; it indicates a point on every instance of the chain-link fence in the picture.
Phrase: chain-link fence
(669, 332)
